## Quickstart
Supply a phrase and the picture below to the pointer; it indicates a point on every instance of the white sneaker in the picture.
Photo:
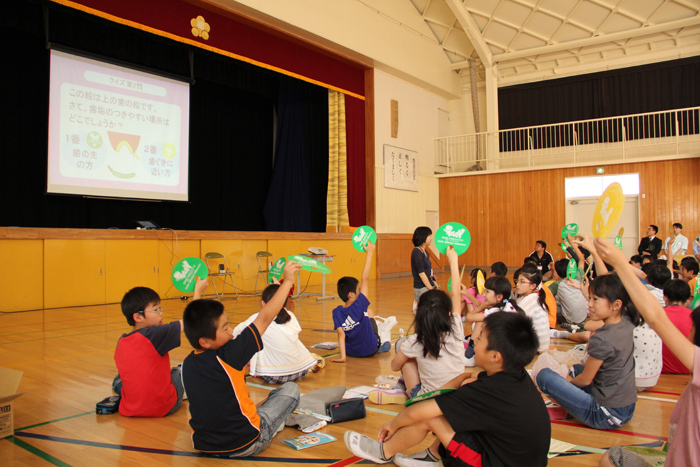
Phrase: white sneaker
(361, 445)
(419, 459)
(469, 362)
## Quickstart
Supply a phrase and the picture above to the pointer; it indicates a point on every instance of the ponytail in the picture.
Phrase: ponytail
(283, 316)
(511, 305)
(501, 286)
(535, 277)
(269, 292)
(542, 299)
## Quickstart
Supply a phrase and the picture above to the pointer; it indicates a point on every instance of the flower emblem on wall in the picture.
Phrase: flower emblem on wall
(200, 28)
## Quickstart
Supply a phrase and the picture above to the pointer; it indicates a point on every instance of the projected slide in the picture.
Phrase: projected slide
(116, 132)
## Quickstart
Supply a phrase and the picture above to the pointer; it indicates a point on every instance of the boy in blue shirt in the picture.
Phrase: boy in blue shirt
(358, 335)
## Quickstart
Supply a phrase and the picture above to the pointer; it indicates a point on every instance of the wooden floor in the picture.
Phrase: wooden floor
(67, 359)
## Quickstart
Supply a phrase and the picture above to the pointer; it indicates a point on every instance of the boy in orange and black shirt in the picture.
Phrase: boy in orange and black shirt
(225, 421)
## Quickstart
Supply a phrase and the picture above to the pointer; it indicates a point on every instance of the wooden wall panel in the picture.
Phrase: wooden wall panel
(507, 213)
(394, 253)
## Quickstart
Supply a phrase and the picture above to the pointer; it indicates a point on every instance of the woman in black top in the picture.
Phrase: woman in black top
(421, 268)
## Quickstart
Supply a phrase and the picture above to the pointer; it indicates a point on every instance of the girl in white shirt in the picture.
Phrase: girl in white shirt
(532, 301)
(434, 355)
(283, 357)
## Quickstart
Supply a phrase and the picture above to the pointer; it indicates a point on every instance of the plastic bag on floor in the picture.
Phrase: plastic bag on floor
(546, 360)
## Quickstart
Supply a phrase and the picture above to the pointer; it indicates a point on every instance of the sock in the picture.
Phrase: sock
(372, 447)
(381, 452)
(430, 455)
(425, 456)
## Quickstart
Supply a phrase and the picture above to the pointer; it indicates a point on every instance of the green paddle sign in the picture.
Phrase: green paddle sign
(428, 395)
(455, 234)
(362, 235)
(276, 270)
(571, 269)
(569, 230)
(618, 242)
(185, 273)
(310, 264)
(449, 285)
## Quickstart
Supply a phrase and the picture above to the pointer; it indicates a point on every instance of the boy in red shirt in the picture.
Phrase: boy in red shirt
(676, 295)
(147, 385)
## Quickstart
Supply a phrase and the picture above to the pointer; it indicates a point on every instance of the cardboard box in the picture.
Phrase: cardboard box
(9, 382)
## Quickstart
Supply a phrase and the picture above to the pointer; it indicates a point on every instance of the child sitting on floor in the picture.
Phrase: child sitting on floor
(497, 292)
(497, 418)
(473, 298)
(677, 296)
(358, 334)
(684, 431)
(147, 385)
(433, 355)
(602, 394)
(532, 299)
(225, 421)
(284, 357)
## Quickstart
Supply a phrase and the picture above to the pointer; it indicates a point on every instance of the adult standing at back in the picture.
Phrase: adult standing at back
(421, 267)
(677, 244)
(542, 259)
(651, 244)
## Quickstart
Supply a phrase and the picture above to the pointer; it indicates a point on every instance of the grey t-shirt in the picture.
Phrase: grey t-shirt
(574, 307)
(614, 384)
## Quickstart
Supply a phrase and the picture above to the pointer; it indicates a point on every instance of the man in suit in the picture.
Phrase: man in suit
(651, 244)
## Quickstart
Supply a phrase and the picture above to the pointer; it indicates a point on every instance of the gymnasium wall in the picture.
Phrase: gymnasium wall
(390, 36)
(400, 211)
(507, 213)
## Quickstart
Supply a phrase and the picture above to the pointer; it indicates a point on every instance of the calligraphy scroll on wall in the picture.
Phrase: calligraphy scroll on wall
(400, 168)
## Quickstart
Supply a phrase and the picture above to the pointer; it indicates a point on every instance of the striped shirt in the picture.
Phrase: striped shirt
(539, 316)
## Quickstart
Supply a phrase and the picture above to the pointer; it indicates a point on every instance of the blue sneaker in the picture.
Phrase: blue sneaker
(385, 347)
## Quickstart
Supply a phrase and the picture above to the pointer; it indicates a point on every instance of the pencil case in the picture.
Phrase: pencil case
(346, 409)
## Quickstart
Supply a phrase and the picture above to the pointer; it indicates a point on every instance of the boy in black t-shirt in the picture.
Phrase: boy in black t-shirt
(495, 419)
(225, 421)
